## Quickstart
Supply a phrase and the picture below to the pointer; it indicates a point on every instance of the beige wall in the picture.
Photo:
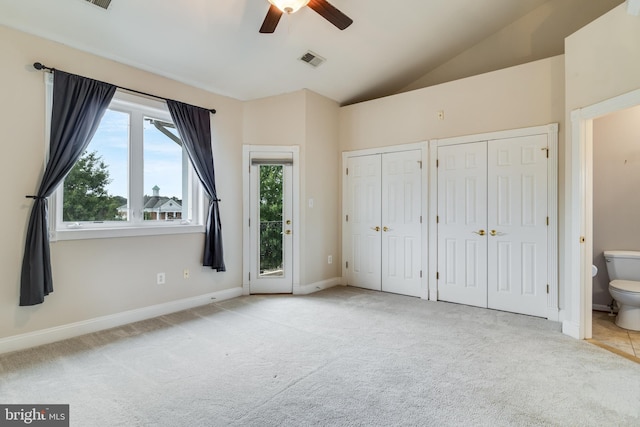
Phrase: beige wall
(537, 35)
(310, 121)
(602, 61)
(322, 177)
(100, 277)
(521, 96)
(616, 175)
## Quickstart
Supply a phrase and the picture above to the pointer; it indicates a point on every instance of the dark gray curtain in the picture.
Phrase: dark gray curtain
(78, 106)
(194, 128)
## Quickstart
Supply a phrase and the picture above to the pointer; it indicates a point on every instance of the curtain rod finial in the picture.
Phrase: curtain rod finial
(38, 66)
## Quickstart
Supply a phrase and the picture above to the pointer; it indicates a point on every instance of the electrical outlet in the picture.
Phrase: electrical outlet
(441, 115)
(160, 279)
(330, 259)
(185, 273)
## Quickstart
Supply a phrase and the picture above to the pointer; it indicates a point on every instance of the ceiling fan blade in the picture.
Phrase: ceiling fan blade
(330, 13)
(271, 20)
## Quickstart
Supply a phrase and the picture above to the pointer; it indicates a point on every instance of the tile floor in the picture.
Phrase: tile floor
(606, 332)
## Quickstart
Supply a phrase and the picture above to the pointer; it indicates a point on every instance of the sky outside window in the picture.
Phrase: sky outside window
(162, 156)
(162, 162)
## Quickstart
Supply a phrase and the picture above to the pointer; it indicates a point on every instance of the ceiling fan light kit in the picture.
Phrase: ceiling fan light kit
(289, 6)
(322, 7)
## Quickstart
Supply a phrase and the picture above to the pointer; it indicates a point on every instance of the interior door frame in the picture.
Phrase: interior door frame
(269, 150)
(579, 213)
(423, 147)
(551, 130)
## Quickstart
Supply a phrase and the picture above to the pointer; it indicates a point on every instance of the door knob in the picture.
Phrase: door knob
(376, 228)
(481, 232)
(385, 228)
(287, 232)
(493, 232)
(288, 222)
(497, 233)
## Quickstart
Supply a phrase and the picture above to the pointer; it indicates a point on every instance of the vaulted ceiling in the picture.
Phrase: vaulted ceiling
(215, 44)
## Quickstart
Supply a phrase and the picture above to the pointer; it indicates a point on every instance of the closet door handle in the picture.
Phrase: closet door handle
(385, 228)
(376, 228)
(481, 232)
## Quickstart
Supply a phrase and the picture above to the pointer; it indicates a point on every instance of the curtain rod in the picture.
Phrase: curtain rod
(40, 66)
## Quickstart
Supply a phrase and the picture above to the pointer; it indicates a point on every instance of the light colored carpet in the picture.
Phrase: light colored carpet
(340, 357)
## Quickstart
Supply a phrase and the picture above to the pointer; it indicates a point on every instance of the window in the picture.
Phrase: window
(134, 178)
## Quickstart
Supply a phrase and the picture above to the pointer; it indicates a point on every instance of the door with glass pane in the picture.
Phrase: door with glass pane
(271, 226)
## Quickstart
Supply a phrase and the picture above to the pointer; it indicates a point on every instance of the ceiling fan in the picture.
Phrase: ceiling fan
(323, 7)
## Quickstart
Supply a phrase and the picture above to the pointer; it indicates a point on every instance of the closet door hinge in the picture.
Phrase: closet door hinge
(437, 219)
(547, 221)
(249, 276)
(437, 275)
(420, 163)
(420, 219)
(347, 171)
(347, 218)
(547, 288)
(437, 163)
(346, 264)
(421, 274)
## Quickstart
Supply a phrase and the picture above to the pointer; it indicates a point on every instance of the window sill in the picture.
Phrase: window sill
(110, 233)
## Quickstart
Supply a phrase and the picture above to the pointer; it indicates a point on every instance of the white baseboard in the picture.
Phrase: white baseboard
(58, 333)
(570, 328)
(317, 286)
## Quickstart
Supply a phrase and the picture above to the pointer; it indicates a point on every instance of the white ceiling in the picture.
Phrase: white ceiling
(215, 44)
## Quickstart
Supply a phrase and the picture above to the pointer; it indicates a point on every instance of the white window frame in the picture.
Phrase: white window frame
(139, 107)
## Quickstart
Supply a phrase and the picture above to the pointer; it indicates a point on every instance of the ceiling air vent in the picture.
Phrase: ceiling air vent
(101, 3)
(312, 59)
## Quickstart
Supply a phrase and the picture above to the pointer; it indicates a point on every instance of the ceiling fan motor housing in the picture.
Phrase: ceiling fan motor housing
(289, 6)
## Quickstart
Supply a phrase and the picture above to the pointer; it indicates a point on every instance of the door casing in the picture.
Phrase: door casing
(577, 322)
(270, 151)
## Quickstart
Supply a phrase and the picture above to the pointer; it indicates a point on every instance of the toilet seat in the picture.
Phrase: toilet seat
(626, 285)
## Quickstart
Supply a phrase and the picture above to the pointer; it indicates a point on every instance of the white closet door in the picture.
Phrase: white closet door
(364, 247)
(401, 227)
(462, 224)
(517, 227)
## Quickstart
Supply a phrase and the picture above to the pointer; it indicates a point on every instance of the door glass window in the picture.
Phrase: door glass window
(271, 221)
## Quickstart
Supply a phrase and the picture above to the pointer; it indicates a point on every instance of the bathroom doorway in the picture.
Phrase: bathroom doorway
(616, 177)
(580, 213)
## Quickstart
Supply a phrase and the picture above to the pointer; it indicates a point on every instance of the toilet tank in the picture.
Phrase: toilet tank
(623, 265)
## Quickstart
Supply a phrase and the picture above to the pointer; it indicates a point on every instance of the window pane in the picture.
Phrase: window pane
(164, 172)
(271, 255)
(96, 188)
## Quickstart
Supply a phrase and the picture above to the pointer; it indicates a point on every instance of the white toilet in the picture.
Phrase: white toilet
(624, 272)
